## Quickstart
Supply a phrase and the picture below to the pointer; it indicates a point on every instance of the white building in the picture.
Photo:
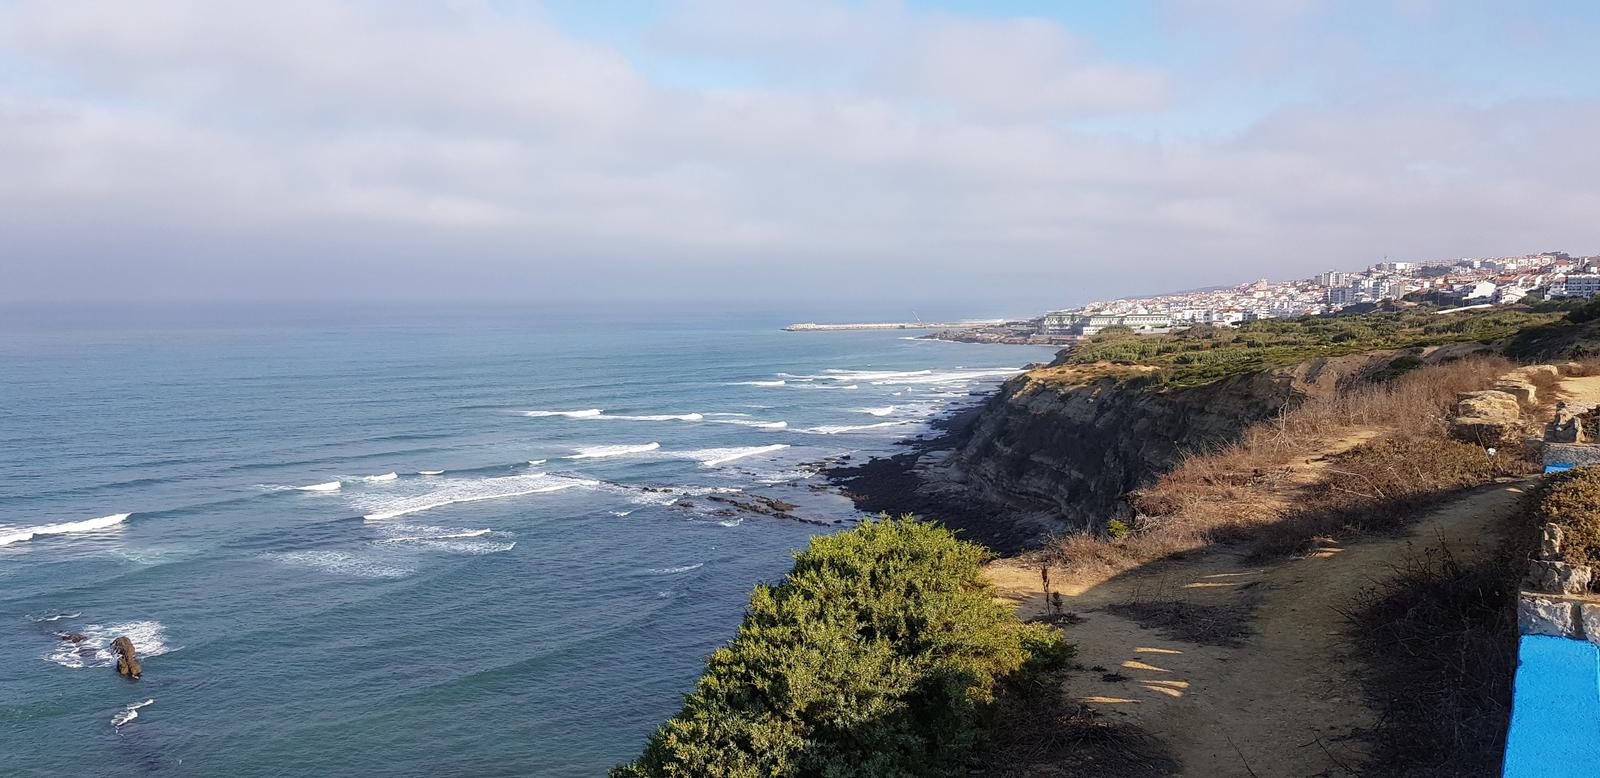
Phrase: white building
(1576, 285)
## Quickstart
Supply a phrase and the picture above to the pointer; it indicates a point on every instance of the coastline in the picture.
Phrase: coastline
(1000, 338)
(899, 483)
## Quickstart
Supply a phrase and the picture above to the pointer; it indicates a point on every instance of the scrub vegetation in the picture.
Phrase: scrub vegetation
(1203, 354)
(881, 653)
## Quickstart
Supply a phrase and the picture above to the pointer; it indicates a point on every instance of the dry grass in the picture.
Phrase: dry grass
(1039, 733)
(1439, 640)
(1269, 476)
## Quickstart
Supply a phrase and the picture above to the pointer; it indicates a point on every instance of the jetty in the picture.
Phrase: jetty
(893, 325)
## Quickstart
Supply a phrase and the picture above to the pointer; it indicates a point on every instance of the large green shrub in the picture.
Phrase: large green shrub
(876, 656)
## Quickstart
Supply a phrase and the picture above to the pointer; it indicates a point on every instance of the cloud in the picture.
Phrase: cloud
(397, 149)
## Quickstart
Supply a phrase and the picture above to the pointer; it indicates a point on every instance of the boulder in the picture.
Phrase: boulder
(1589, 617)
(1524, 391)
(122, 647)
(1541, 616)
(1572, 368)
(1558, 577)
(1488, 403)
(1486, 432)
(1550, 541)
(1566, 427)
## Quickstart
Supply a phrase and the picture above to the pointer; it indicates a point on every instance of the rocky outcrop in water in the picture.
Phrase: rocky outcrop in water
(127, 665)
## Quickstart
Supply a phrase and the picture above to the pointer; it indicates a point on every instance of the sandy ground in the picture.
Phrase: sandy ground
(1580, 391)
(1283, 704)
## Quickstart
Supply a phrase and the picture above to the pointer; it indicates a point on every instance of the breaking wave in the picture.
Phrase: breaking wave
(129, 713)
(384, 477)
(17, 535)
(659, 417)
(450, 492)
(331, 486)
(835, 429)
(761, 425)
(587, 413)
(430, 472)
(149, 639)
(711, 457)
(884, 411)
(600, 452)
(672, 570)
(779, 382)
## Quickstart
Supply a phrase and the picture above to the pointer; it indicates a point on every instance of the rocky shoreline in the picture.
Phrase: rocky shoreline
(1000, 336)
(908, 483)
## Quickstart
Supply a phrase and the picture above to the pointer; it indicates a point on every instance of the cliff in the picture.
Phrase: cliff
(1059, 447)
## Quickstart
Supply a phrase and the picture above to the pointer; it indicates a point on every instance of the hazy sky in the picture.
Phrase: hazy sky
(1017, 155)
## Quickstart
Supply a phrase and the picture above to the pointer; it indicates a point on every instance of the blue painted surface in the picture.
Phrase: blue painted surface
(1555, 713)
(1558, 467)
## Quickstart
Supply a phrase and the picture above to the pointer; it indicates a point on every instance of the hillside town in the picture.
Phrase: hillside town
(1451, 283)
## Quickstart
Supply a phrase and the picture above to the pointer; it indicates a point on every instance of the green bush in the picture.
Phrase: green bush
(877, 655)
(1117, 528)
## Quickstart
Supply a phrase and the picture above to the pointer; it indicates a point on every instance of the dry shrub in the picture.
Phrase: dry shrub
(1572, 500)
(1439, 640)
(1377, 486)
(1252, 483)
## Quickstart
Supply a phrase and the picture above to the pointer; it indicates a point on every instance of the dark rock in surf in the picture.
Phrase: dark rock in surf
(127, 666)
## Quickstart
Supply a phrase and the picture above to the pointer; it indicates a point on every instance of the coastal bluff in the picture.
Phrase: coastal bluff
(1060, 447)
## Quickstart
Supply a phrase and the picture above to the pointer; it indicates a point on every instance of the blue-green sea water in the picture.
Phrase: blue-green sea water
(390, 543)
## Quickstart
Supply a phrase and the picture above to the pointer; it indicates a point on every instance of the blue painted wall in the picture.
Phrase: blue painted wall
(1555, 714)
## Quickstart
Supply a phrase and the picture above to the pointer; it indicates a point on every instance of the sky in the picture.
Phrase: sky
(992, 157)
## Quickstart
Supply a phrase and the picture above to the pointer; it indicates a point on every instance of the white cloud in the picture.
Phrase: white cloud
(238, 148)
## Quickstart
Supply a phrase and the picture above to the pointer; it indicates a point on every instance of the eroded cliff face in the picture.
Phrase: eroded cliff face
(1055, 451)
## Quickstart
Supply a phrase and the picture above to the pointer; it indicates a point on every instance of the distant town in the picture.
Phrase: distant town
(1450, 283)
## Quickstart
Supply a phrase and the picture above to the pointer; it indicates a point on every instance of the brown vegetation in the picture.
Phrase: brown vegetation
(1439, 641)
(1278, 488)
(1571, 500)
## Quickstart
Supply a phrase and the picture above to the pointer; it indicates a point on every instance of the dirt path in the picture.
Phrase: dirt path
(1283, 701)
(1583, 390)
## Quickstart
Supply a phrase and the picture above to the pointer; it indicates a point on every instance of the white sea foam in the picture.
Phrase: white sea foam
(779, 382)
(442, 492)
(149, 639)
(430, 472)
(599, 452)
(620, 514)
(711, 457)
(384, 477)
(537, 461)
(763, 425)
(835, 429)
(129, 713)
(340, 563)
(19, 534)
(432, 533)
(331, 486)
(884, 411)
(587, 413)
(673, 570)
(53, 617)
(658, 417)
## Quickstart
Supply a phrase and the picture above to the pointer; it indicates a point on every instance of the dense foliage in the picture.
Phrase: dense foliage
(877, 655)
(1204, 354)
(1572, 500)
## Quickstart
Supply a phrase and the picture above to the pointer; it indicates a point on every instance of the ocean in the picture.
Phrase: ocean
(465, 541)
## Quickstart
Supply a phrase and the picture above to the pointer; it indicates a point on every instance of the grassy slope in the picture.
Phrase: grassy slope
(1204, 354)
